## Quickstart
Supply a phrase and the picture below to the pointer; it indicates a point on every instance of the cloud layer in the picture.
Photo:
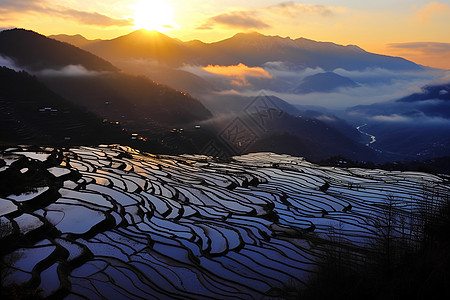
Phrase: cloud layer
(259, 18)
(236, 19)
(279, 79)
(294, 9)
(69, 71)
(423, 47)
(238, 74)
(50, 8)
(431, 10)
(7, 62)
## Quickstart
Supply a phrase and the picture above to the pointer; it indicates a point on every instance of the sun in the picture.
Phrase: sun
(153, 15)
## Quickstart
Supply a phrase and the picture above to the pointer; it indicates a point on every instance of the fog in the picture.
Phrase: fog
(374, 85)
(9, 63)
(70, 70)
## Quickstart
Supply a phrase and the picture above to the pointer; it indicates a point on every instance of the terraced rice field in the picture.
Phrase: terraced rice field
(121, 224)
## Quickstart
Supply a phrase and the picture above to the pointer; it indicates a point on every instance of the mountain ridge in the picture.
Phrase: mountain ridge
(134, 102)
(314, 83)
(34, 51)
(234, 50)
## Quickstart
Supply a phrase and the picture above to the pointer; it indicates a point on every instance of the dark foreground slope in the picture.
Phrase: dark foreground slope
(31, 113)
(36, 52)
(90, 81)
(133, 103)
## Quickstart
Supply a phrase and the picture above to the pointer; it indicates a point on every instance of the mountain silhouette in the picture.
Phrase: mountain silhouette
(76, 39)
(170, 61)
(138, 103)
(142, 44)
(430, 92)
(36, 52)
(251, 49)
(323, 83)
(32, 113)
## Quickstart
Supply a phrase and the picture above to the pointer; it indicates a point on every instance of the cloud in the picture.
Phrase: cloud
(256, 18)
(376, 85)
(326, 118)
(423, 47)
(93, 18)
(9, 63)
(238, 73)
(69, 71)
(6, 28)
(419, 119)
(236, 19)
(391, 118)
(373, 76)
(49, 8)
(431, 10)
(444, 79)
(284, 70)
(294, 9)
(21, 5)
(280, 78)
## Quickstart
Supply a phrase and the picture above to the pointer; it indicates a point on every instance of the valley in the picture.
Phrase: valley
(252, 167)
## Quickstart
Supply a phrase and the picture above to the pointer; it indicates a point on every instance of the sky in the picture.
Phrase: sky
(416, 30)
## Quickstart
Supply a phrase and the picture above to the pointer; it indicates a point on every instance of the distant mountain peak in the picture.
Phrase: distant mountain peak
(355, 47)
(256, 40)
(253, 34)
(249, 48)
(22, 31)
(146, 34)
(257, 35)
(324, 83)
(75, 39)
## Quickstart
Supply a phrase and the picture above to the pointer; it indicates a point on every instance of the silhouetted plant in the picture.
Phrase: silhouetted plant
(408, 258)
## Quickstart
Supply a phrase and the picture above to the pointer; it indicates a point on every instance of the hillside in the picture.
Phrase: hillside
(142, 44)
(111, 221)
(35, 52)
(413, 127)
(130, 99)
(76, 39)
(132, 103)
(430, 92)
(31, 113)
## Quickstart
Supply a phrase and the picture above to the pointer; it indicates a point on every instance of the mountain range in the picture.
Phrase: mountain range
(101, 79)
(136, 103)
(251, 49)
(35, 52)
(170, 61)
(315, 83)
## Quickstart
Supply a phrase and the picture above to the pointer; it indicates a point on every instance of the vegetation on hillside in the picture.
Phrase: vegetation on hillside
(409, 257)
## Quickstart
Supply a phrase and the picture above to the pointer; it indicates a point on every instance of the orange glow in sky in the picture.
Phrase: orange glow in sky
(413, 29)
(153, 15)
(238, 73)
